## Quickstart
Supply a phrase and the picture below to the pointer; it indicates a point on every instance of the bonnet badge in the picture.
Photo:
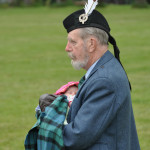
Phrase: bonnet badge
(83, 18)
(89, 7)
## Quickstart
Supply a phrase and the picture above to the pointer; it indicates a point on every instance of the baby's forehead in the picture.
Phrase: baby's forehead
(74, 87)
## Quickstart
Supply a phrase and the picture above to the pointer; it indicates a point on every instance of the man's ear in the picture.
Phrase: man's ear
(92, 43)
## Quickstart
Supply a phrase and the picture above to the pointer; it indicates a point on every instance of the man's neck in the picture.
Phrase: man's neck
(90, 69)
(94, 58)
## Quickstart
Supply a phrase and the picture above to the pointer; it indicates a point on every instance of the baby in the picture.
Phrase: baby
(50, 119)
(70, 89)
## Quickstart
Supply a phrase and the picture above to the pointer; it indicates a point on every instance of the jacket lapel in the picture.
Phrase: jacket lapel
(104, 59)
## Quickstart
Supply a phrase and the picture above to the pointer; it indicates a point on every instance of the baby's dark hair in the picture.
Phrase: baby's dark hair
(45, 100)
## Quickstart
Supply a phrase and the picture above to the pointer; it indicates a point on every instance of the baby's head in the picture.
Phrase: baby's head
(70, 88)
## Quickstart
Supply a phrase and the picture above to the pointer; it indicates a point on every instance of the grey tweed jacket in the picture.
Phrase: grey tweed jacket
(101, 115)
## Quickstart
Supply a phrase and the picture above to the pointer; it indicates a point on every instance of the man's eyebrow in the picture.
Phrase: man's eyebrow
(69, 38)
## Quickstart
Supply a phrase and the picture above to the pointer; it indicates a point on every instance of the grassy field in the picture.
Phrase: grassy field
(33, 62)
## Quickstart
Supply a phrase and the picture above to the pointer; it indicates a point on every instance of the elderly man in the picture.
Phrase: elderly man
(101, 115)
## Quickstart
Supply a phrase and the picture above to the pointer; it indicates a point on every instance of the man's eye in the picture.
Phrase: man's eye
(73, 42)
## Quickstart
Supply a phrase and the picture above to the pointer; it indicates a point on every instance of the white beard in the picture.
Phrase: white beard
(79, 64)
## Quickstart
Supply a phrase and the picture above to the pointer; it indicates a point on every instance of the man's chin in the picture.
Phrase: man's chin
(76, 68)
(77, 65)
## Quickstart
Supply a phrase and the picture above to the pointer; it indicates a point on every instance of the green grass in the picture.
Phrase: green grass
(33, 61)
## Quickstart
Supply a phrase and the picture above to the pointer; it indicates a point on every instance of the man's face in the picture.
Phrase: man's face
(77, 50)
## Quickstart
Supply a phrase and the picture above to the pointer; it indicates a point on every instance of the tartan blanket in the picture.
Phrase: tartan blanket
(46, 134)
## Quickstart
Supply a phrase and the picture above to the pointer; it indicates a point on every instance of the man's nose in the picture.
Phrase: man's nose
(68, 48)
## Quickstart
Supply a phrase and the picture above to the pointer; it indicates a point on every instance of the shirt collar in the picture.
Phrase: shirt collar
(90, 69)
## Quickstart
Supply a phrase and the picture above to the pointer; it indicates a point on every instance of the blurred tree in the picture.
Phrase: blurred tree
(117, 1)
(39, 2)
(140, 3)
(27, 2)
(18, 2)
(136, 3)
(148, 1)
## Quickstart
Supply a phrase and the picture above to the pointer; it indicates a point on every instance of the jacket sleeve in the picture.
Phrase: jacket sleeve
(96, 113)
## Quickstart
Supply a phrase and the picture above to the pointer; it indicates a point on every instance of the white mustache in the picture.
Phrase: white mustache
(71, 55)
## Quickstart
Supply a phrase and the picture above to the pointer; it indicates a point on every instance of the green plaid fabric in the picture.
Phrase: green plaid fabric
(46, 134)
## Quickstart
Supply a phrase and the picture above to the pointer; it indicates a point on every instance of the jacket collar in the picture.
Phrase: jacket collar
(104, 59)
